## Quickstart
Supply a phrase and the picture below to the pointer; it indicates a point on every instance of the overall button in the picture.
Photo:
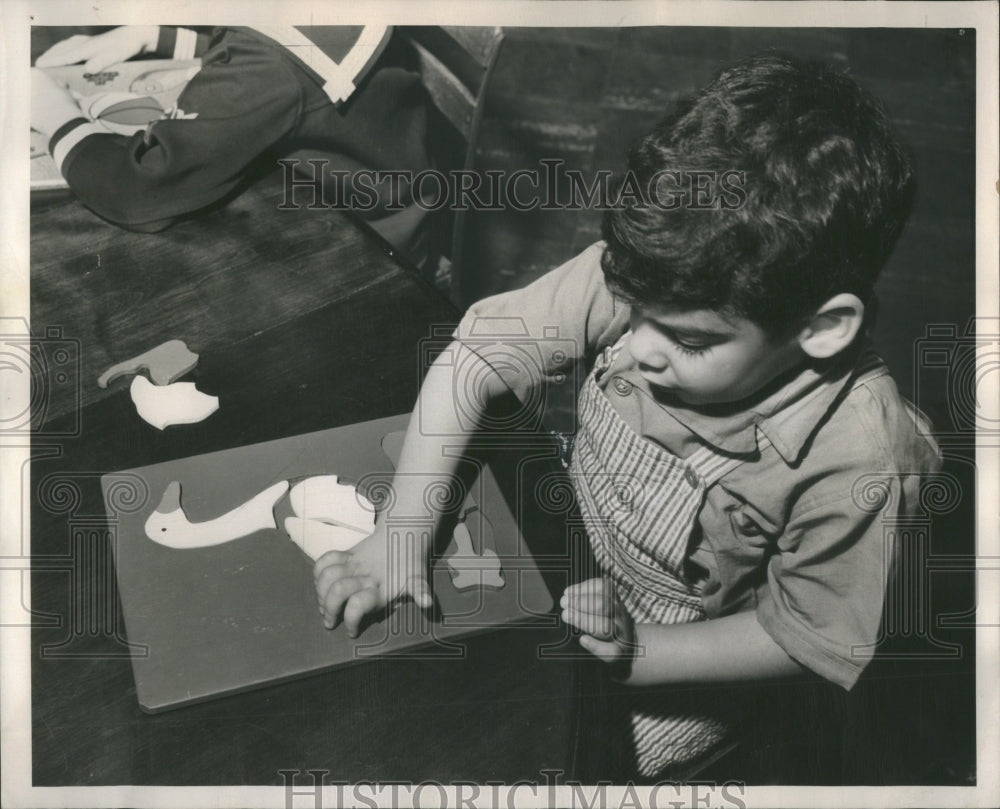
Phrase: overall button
(691, 477)
(622, 386)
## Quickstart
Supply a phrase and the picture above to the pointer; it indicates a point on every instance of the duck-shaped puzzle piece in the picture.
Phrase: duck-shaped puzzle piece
(329, 515)
(169, 525)
(165, 405)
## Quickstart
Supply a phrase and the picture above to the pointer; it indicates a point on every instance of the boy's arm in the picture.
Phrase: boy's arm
(732, 648)
(569, 304)
(392, 562)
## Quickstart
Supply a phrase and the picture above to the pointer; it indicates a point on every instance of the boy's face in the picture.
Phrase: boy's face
(702, 357)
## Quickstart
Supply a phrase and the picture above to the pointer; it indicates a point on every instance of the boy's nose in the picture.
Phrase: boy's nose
(645, 349)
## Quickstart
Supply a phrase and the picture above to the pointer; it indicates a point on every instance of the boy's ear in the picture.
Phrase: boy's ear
(833, 327)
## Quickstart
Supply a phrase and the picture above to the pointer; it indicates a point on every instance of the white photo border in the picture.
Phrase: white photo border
(16, 18)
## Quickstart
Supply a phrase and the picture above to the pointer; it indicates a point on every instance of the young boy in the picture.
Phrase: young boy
(733, 411)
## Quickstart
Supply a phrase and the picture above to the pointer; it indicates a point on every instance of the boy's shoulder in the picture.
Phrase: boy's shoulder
(872, 429)
(570, 302)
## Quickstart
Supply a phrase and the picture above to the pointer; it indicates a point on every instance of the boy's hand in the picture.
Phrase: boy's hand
(377, 571)
(609, 631)
(102, 50)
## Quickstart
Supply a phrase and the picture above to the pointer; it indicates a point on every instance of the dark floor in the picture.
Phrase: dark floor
(584, 95)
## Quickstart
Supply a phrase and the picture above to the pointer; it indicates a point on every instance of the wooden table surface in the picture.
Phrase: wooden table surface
(303, 320)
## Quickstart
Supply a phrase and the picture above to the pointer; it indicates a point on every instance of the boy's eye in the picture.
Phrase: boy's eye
(694, 351)
(692, 348)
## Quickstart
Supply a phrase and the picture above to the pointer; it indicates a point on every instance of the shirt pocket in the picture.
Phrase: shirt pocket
(752, 529)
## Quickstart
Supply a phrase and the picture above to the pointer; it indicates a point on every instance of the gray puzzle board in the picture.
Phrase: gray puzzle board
(218, 620)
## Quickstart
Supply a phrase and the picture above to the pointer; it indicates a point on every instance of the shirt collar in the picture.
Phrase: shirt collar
(788, 415)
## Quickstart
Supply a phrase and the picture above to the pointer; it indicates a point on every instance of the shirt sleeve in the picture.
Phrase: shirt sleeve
(243, 100)
(823, 597)
(535, 336)
(825, 594)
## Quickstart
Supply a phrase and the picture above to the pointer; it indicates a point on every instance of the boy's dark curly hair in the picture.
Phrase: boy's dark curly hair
(827, 190)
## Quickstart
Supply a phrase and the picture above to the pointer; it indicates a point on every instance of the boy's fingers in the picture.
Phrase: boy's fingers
(584, 587)
(600, 626)
(358, 606)
(605, 650)
(594, 601)
(585, 602)
(339, 594)
(594, 593)
(327, 559)
(327, 578)
(420, 590)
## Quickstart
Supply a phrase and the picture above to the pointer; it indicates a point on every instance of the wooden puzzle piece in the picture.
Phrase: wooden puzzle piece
(392, 446)
(329, 515)
(326, 499)
(469, 569)
(168, 524)
(166, 405)
(165, 363)
(316, 538)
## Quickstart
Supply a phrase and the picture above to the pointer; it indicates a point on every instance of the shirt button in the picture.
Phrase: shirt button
(691, 477)
(622, 386)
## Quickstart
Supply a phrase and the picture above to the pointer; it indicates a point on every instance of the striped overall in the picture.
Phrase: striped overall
(639, 503)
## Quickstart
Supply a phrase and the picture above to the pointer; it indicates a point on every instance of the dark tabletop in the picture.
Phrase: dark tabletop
(303, 320)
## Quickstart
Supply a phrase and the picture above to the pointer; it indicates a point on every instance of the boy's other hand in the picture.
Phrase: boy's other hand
(608, 630)
(379, 570)
(101, 50)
